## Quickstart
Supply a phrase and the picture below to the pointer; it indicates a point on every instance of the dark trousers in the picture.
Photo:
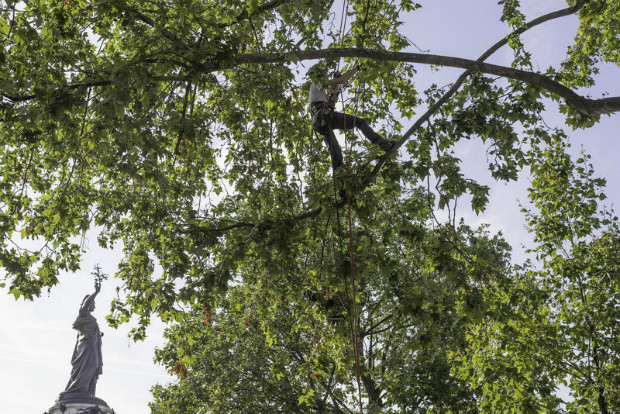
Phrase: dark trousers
(338, 120)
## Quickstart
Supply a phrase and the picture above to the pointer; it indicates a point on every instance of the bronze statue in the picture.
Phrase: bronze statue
(86, 362)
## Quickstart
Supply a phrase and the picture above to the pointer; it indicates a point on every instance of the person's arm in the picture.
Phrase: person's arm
(345, 77)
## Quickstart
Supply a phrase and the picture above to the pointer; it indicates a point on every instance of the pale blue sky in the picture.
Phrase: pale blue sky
(36, 339)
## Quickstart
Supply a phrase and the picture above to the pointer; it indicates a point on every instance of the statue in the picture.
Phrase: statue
(86, 363)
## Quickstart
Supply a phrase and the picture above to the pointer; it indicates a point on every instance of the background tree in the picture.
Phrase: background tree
(556, 323)
(180, 131)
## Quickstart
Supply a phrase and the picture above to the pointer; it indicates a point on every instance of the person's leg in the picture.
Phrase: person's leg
(334, 149)
(321, 125)
(345, 121)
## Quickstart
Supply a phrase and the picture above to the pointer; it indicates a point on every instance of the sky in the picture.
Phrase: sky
(36, 338)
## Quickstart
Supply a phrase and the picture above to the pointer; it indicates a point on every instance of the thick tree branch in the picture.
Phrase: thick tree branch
(267, 224)
(87, 84)
(457, 84)
(579, 103)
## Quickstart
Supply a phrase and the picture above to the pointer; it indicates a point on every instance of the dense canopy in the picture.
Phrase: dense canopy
(179, 131)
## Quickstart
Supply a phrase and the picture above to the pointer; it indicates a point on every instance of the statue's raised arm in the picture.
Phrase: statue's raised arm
(88, 303)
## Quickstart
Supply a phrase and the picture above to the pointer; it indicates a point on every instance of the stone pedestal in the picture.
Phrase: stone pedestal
(79, 408)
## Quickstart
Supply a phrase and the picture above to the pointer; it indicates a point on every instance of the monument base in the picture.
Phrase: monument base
(79, 408)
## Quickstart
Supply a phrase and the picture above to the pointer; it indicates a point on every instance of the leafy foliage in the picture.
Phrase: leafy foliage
(418, 291)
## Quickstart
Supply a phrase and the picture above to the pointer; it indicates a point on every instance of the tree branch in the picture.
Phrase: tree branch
(167, 34)
(535, 22)
(457, 84)
(577, 102)
(260, 9)
(267, 224)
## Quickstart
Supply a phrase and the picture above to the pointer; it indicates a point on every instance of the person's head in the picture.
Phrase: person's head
(317, 74)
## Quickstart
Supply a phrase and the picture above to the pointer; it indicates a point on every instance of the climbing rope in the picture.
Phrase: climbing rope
(343, 19)
(351, 254)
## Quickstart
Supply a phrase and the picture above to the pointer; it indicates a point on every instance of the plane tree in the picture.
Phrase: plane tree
(179, 132)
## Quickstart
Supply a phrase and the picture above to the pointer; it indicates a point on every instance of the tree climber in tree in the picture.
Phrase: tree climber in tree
(325, 119)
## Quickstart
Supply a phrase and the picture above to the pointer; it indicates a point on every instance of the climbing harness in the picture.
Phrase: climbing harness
(321, 114)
